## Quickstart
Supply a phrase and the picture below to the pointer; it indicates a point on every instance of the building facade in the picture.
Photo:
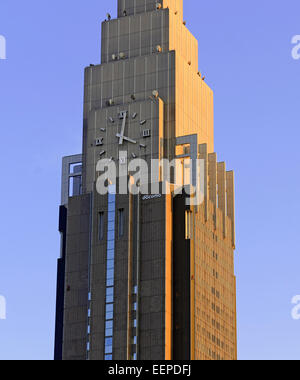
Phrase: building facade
(141, 275)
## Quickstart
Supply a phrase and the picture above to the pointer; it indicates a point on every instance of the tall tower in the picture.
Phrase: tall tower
(145, 276)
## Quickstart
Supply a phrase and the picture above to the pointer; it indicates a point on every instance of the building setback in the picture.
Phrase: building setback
(146, 276)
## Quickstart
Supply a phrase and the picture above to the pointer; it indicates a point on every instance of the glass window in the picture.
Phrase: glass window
(111, 226)
(112, 192)
(110, 274)
(108, 349)
(112, 206)
(110, 307)
(101, 226)
(111, 235)
(188, 224)
(108, 332)
(111, 198)
(108, 342)
(110, 245)
(121, 222)
(109, 324)
(111, 216)
(110, 254)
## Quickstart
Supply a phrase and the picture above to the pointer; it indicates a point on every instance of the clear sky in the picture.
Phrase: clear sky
(245, 54)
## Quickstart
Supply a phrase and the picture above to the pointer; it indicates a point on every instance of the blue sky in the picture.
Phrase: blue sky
(245, 54)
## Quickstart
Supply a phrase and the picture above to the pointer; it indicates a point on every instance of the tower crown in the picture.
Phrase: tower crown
(132, 7)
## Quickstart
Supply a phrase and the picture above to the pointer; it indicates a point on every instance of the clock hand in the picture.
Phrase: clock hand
(121, 135)
(129, 140)
(126, 138)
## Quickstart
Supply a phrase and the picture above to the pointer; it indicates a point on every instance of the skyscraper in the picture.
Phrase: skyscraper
(146, 275)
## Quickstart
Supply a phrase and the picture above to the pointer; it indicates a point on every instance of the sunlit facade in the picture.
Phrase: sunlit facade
(145, 276)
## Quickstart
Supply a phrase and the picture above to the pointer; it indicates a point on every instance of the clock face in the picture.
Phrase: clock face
(124, 133)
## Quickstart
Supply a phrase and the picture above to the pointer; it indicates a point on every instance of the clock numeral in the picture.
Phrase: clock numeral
(122, 114)
(143, 122)
(99, 141)
(146, 133)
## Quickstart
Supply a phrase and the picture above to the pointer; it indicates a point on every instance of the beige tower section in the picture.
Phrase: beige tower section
(215, 284)
(194, 99)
